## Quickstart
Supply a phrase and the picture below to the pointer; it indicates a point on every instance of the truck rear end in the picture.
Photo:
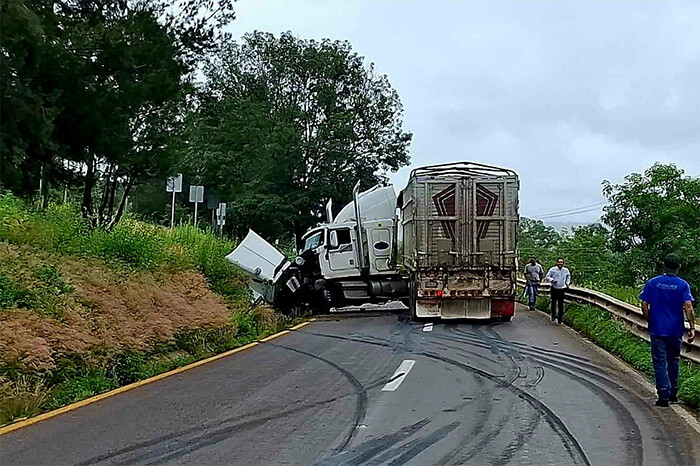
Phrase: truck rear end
(459, 225)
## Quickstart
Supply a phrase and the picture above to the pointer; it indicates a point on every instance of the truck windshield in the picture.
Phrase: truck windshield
(312, 242)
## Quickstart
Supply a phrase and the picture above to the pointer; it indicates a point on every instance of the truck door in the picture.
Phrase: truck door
(342, 258)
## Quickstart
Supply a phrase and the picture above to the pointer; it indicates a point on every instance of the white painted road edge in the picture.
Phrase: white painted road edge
(399, 375)
(428, 327)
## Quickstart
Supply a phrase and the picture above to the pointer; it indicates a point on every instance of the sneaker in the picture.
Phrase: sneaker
(673, 399)
(662, 402)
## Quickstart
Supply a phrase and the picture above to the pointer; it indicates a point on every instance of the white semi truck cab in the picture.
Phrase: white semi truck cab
(446, 247)
(342, 262)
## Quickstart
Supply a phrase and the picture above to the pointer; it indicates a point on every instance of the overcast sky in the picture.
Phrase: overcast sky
(567, 94)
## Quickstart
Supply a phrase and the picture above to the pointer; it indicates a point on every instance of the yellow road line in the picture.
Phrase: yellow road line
(42, 417)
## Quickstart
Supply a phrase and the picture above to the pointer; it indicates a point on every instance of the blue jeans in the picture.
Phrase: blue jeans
(666, 353)
(532, 292)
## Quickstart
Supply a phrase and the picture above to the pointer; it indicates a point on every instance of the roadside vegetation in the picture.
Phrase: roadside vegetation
(613, 336)
(84, 310)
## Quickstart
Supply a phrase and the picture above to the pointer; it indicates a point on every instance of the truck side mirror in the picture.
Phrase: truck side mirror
(334, 239)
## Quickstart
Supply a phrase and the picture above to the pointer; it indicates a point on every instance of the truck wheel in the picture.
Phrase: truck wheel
(505, 319)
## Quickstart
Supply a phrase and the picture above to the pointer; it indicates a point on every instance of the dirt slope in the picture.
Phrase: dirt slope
(67, 306)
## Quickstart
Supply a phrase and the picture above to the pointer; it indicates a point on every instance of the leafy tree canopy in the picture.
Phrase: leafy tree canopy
(285, 123)
(653, 214)
(93, 92)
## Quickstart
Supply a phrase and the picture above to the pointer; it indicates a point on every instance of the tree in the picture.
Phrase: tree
(29, 95)
(653, 214)
(106, 82)
(284, 124)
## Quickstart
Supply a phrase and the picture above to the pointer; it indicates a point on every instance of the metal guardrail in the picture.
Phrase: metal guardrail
(625, 312)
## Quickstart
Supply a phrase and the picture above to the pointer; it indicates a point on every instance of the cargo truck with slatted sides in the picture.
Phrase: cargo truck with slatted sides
(459, 224)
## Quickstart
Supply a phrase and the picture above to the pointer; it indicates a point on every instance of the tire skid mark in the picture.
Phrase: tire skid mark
(474, 432)
(360, 390)
(633, 444)
(521, 344)
(457, 456)
(255, 422)
(466, 338)
(573, 448)
(480, 439)
(208, 439)
(368, 449)
(421, 445)
(520, 441)
(568, 440)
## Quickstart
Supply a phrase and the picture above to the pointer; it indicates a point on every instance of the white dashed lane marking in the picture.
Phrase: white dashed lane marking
(399, 375)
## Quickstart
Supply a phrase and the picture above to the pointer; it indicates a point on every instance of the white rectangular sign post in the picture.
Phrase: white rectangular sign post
(196, 196)
(174, 185)
(221, 215)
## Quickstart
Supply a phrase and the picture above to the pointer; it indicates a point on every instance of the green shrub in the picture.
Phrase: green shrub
(90, 383)
(53, 281)
(131, 243)
(8, 293)
(21, 398)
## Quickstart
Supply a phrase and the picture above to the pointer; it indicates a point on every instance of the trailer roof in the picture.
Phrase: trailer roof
(461, 169)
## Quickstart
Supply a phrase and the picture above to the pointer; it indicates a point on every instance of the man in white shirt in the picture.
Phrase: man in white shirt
(560, 278)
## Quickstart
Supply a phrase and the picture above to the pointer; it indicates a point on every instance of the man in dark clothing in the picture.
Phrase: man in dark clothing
(663, 300)
(534, 273)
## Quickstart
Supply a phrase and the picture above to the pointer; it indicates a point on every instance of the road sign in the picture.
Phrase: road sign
(212, 200)
(221, 214)
(221, 210)
(174, 184)
(196, 194)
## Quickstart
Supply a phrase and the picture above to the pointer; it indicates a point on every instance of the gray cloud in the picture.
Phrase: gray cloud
(567, 94)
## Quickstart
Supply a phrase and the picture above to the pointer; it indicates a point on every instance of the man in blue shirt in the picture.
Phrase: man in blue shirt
(663, 300)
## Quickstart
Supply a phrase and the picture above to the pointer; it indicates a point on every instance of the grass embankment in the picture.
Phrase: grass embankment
(83, 311)
(610, 334)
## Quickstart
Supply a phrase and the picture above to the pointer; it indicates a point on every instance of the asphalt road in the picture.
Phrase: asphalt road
(379, 390)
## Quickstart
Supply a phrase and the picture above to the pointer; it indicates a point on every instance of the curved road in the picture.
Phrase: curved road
(380, 390)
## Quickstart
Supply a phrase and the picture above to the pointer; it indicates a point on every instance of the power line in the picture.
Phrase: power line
(569, 210)
(569, 214)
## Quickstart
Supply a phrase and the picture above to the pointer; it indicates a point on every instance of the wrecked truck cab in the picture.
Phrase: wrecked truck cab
(350, 259)
(263, 264)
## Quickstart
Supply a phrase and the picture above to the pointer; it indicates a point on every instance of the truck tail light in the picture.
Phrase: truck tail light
(503, 307)
(438, 293)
